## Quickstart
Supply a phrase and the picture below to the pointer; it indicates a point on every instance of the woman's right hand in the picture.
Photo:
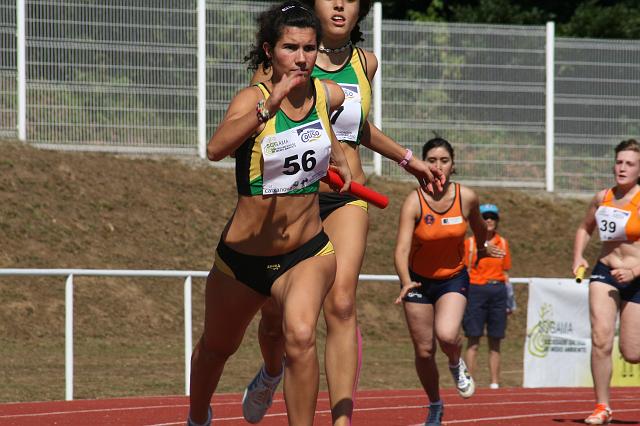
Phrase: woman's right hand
(283, 87)
(406, 288)
(577, 263)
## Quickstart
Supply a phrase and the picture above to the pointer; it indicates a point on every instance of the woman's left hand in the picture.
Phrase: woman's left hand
(345, 173)
(406, 288)
(623, 275)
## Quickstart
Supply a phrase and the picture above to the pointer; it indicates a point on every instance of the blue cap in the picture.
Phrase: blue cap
(489, 208)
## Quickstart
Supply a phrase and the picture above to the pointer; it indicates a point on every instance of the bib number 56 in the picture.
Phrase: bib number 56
(292, 165)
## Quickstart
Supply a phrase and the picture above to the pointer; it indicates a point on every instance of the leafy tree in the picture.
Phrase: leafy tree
(578, 18)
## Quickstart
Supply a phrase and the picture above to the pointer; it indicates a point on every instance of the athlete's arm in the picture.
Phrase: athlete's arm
(336, 95)
(241, 118)
(239, 122)
(371, 63)
(584, 232)
(338, 159)
(471, 209)
(429, 177)
(409, 214)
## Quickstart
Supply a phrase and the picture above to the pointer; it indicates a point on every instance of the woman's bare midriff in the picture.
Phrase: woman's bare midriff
(273, 224)
(620, 254)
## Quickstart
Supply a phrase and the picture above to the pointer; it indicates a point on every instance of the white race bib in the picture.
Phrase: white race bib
(295, 158)
(612, 223)
(452, 220)
(345, 121)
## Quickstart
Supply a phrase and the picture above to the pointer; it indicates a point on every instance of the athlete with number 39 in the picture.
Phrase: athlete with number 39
(615, 280)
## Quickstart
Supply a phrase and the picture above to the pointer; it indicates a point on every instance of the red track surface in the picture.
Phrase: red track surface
(508, 406)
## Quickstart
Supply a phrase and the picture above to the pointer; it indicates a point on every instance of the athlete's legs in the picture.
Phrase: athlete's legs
(603, 307)
(494, 359)
(449, 310)
(271, 338)
(347, 228)
(471, 356)
(420, 321)
(300, 292)
(630, 332)
(229, 308)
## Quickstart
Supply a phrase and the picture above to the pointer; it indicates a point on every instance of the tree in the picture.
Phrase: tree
(577, 18)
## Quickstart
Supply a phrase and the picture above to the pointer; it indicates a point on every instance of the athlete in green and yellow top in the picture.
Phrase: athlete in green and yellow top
(288, 156)
(273, 246)
(345, 218)
(350, 119)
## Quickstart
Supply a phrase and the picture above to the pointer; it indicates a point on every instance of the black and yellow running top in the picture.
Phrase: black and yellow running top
(348, 121)
(287, 156)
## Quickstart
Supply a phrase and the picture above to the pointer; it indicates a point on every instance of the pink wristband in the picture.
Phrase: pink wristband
(407, 157)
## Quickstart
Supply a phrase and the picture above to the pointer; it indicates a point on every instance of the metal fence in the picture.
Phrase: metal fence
(8, 69)
(156, 77)
(597, 104)
(481, 87)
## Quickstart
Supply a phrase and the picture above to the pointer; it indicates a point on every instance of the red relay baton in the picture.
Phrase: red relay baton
(360, 191)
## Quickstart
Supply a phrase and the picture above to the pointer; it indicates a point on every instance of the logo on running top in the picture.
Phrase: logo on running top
(429, 219)
(311, 132)
(274, 266)
(350, 91)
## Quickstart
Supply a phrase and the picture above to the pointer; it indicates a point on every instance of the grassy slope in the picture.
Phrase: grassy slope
(80, 210)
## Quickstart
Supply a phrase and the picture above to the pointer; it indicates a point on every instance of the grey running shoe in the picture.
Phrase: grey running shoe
(258, 396)
(436, 411)
(463, 380)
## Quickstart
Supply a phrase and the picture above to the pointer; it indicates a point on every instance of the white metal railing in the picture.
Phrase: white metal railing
(187, 275)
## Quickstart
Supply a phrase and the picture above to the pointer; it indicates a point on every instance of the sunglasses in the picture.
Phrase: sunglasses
(492, 216)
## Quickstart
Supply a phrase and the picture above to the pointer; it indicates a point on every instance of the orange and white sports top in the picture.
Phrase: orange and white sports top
(437, 247)
(618, 223)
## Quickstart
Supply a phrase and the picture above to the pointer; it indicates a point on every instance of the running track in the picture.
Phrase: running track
(508, 406)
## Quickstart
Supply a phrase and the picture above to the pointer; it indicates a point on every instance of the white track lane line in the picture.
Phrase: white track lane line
(527, 416)
(410, 407)
(417, 395)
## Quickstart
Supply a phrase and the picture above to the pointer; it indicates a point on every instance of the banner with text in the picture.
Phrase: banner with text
(557, 349)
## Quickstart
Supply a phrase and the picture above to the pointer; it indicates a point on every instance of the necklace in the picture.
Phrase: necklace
(328, 50)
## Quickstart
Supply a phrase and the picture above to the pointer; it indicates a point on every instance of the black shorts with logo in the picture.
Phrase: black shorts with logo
(260, 272)
(629, 292)
(431, 289)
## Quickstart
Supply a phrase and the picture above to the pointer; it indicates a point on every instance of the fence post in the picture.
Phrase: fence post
(68, 338)
(202, 77)
(550, 99)
(377, 80)
(21, 77)
(188, 344)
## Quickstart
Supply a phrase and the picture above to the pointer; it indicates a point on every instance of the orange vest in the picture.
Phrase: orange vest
(618, 223)
(488, 268)
(437, 247)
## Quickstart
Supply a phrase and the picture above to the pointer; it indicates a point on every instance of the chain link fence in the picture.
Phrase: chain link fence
(122, 76)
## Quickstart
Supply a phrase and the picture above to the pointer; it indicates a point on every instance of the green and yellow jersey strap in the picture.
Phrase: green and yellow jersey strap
(348, 121)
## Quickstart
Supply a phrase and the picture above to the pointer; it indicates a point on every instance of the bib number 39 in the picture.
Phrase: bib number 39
(292, 165)
(606, 226)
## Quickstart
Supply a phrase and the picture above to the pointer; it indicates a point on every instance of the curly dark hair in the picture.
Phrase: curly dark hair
(356, 33)
(271, 24)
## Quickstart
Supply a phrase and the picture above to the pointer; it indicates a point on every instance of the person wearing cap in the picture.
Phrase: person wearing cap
(490, 297)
